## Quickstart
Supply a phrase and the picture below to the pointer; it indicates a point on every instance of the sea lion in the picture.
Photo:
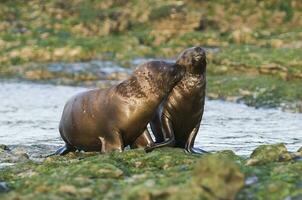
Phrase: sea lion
(178, 117)
(110, 119)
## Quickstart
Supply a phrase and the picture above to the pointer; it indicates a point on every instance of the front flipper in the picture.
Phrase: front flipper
(168, 134)
(190, 142)
(63, 150)
(112, 143)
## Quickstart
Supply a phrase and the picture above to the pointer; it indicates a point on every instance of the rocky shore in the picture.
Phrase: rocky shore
(270, 172)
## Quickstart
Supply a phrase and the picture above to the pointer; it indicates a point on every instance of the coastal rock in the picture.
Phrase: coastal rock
(3, 147)
(217, 177)
(8, 156)
(269, 153)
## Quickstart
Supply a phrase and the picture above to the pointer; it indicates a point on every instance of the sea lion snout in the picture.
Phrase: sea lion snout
(199, 54)
(193, 56)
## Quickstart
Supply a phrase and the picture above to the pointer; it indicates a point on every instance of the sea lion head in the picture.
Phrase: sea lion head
(193, 60)
(160, 75)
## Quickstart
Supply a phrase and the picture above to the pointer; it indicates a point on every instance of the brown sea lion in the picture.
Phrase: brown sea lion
(110, 119)
(178, 117)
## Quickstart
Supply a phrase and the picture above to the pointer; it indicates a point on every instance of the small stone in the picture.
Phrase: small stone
(138, 164)
(21, 153)
(70, 189)
(245, 92)
(212, 95)
(111, 173)
(166, 166)
(50, 159)
(4, 147)
(252, 161)
(86, 191)
(285, 157)
(3, 187)
(296, 154)
(251, 180)
(149, 183)
(42, 189)
(276, 43)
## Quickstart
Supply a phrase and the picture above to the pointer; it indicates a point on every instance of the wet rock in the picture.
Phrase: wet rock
(212, 96)
(3, 147)
(268, 153)
(297, 156)
(5, 164)
(3, 187)
(20, 155)
(285, 157)
(217, 177)
(295, 107)
(251, 180)
(12, 156)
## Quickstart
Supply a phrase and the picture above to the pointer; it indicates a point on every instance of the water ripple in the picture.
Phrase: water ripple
(30, 114)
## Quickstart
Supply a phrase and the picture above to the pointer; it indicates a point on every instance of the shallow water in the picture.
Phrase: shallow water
(30, 114)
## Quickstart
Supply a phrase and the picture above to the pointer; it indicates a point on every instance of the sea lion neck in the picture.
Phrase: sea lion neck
(199, 69)
(138, 88)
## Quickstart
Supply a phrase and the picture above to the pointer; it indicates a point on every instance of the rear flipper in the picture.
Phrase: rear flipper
(168, 134)
(63, 150)
(196, 151)
(143, 141)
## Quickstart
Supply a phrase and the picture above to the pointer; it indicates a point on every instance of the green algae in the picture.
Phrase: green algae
(167, 173)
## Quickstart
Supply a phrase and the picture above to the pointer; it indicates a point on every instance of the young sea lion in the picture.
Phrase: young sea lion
(178, 117)
(110, 119)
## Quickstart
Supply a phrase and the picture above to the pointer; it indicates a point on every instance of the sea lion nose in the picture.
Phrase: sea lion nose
(198, 49)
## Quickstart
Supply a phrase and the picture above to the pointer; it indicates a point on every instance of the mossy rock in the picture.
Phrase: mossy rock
(3, 148)
(217, 177)
(269, 153)
(146, 193)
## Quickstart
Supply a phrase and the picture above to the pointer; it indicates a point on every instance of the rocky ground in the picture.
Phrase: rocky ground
(271, 172)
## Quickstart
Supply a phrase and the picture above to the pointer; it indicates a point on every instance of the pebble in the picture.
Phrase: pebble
(3, 187)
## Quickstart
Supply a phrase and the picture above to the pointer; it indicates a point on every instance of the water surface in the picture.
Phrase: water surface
(30, 114)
